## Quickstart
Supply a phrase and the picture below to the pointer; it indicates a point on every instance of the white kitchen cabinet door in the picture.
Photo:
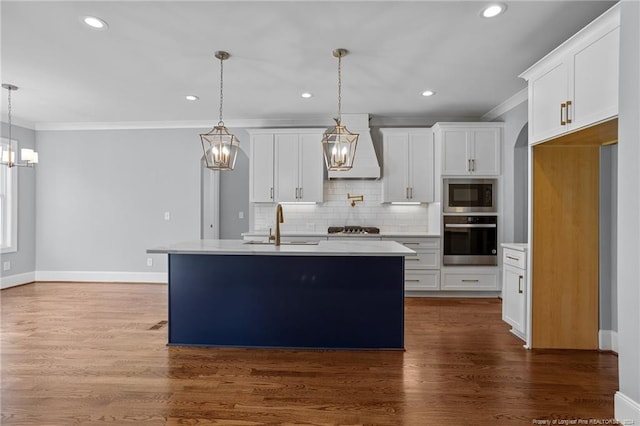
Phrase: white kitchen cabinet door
(311, 170)
(486, 147)
(595, 81)
(547, 94)
(408, 174)
(421, 167)
(286, 167)
(261, 170)
(470, 151)
(395, 174)
(514, 299)
(576, 85)
(455, 152)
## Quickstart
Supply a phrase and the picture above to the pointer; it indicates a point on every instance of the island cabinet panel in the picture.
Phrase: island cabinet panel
(338, 302)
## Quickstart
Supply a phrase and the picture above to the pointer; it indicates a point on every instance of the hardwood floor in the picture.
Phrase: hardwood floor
(87, 353)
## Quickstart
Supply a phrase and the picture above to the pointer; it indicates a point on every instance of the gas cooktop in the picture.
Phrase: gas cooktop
(353, 230)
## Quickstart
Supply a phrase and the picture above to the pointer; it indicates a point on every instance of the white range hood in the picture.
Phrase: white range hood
(365, 162)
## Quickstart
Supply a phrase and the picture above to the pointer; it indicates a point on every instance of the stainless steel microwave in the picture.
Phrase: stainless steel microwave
(468, 195)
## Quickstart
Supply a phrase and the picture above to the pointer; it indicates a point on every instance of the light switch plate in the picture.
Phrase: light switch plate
(167, 215)
(6, 265)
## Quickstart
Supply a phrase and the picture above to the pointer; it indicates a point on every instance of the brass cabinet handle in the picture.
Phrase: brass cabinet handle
(568, 115)
(473, 165)
(411, 192)
(271, 193)
(411, 281)
(468, 165)
(520, 278)
(300, 193)
(470, 281)
(412, 258)
(406, 193)
(512, 258)
(562, 107)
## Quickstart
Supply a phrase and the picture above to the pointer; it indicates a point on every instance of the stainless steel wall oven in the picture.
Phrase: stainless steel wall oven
(470, 240)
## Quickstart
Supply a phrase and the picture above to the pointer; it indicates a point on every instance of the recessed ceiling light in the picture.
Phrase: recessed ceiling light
(428, 93)
(307, 95)
(191, 98)
(95, 23)
(493, 10)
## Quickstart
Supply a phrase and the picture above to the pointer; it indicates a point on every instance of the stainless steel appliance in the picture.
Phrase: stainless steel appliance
(468, 195)
(470, 240)
(353, 230)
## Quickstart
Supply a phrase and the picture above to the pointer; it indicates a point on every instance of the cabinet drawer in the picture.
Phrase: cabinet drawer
(416, 242)
(471, 281)
(421, 280)
(352, 238)
(424, 259)
(514, 258)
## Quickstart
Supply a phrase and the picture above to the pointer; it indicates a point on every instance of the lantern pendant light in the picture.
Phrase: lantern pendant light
(219, 145)
(28, 157)
(338, 143)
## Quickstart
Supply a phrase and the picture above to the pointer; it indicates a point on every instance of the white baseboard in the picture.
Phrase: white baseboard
(608, 340)
(18, 279)
(627, 411)
(96, 276)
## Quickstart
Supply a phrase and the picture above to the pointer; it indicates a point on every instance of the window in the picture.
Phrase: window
(8, 206)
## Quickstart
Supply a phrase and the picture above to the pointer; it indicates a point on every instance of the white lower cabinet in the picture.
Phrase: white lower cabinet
(422, 271)
(470, 279)
(514, 291)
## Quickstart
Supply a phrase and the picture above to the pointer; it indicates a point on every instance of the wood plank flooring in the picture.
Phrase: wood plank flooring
(94, 354)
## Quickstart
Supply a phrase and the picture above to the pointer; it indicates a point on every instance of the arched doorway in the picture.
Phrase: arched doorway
(521, 186)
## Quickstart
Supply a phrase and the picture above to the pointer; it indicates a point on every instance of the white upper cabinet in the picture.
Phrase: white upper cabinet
(286, 165)
(408, 156)
(576, 85)
(261, 169)
(469, 148)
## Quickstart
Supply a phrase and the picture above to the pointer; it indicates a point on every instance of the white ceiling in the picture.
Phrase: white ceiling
(155, 53)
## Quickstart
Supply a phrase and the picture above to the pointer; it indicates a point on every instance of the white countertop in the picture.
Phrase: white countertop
(516, 246)
(325, 234)
(323, 248)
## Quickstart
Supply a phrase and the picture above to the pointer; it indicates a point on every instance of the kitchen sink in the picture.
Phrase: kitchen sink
(284, 243)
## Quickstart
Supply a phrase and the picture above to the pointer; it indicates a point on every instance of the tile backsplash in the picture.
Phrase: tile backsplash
(337, 211)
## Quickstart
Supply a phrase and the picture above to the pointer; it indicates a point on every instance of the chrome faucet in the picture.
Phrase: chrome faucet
(279, 220)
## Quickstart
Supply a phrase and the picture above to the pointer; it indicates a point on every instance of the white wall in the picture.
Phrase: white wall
(24, 260)
(627, 401)
(102, 195)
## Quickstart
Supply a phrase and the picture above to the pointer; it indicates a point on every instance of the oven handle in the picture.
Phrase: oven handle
(466, 225)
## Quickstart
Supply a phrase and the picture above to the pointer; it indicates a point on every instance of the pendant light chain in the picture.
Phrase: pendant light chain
(339, 88)
(221, 123)
(9, 116)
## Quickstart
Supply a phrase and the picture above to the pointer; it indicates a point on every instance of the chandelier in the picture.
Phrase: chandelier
(28, 157)
(338, 143)
(219, 145)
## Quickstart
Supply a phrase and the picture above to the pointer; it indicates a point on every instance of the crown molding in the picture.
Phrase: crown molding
(312, 121)
(508, 105)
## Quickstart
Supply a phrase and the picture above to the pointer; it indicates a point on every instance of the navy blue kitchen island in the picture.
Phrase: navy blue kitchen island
(334, 295)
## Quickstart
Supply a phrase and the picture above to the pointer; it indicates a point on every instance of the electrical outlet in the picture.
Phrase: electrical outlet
(240, 215)
(6, 265)
(167, 215)
(149, 261)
